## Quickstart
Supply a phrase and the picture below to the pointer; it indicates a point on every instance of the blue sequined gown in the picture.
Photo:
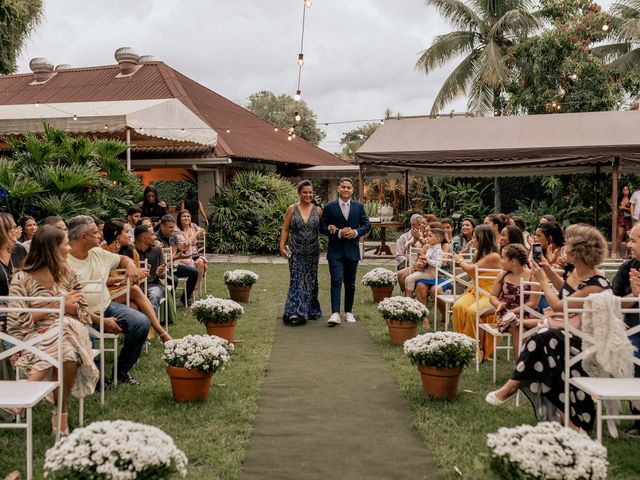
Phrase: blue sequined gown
(302, 299)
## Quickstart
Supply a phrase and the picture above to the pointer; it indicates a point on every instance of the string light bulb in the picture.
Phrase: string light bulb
(141, 129)
(37, 104)
(605, 27)
(301, 59)
(106, 127)
(75, 117)
(307, 3)
(275, 129)
(297, 117)
(182, 130)
(293, 136)
(289, 138)
(574, 77)
(297, 96)
(228, 130)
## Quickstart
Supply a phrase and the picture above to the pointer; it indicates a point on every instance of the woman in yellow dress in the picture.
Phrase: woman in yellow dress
(464, 309)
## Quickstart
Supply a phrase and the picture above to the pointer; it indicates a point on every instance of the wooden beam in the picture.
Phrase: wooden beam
(361, 184)
(406, 190)
(597, 212)
(615, 173)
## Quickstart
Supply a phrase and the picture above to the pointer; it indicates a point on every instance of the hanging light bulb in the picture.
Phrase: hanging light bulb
(75, 117)
(228, 130)
(574, 77)
(605, 27)
(37, 104)
(293, 136)
(141, 129)
(275, 129)
(307, 3)
(182, 130)
(106, 127)
(382, 122)
(297, 96)
(297, 117)
(301, 59)
(289, 138)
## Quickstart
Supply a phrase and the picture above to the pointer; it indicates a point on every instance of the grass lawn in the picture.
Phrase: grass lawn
(214, 434)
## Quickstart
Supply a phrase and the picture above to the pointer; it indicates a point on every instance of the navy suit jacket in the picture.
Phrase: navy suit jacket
(358, 220)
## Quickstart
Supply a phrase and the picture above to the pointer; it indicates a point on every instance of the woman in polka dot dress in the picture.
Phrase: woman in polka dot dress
(539, 371)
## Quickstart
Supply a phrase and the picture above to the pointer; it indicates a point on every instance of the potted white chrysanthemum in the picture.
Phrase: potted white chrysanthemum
(219, 315)
(113, 450)
(402, 315)
(381, 281)
(239, 283)
(546, 450)
(440, 358)
(191, 363)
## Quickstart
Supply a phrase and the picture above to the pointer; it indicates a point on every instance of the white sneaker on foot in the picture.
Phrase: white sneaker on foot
(334, 320)
(348, 316)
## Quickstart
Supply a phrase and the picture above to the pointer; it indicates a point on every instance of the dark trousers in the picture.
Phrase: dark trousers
(635, 341)
(135, 325)
(190, 273)
(342, 271)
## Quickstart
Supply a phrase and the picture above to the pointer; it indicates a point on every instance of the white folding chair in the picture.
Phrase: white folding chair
(124, 287)
(202, 250)
(412, 255)
(25, 394)
(602, 388)
(484, 274)
(95, 287)
(448, 274)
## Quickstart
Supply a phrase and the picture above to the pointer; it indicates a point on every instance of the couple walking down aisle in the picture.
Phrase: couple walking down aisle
(344, 221)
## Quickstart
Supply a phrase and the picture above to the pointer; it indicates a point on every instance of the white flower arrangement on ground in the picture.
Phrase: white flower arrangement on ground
(206, 353)
(547, 451)
(240, 278)
(115, 450)
(440, 349)
(402, 309)
(379, 277)
(216, 310)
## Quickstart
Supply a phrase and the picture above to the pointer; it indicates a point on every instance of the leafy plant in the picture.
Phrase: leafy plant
(172, 192)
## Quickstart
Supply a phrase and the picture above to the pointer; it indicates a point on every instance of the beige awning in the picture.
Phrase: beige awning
(167, 119)
(505, 146)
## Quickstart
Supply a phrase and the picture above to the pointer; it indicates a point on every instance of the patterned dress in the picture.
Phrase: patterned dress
(540, 368)
(75, 335)
(302, 300)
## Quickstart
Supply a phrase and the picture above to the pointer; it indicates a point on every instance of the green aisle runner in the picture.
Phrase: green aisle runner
(330, 408)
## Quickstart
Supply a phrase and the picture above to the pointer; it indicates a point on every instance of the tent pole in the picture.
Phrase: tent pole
(128, 149)
(360, 184)
(615, 173)
(406, 190)
(597, 213)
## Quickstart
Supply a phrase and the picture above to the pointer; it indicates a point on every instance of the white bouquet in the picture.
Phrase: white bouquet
(440, 349)
(115, 450)
(546, 451)
(240, 278)
(379, 277)
(206, 353)
(402, 309)
(216, 310)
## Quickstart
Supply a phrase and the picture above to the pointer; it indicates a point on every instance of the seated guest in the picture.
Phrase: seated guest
(505, 293)
(412, 238)
(28, 226)
(167, 239)
(189, 233)
(447, 226)
(446, 247)
(146, 221)
(147, 250)
(45, 273)
(134, 214)
(100, 224)
(510, 235)
(519, 222)
(467, 226)
(54, 221)
(540, 367)
(550, 236)
(90, 262)
(548, 218)
(464, 309)
(116, 240)
(626, 283)
(497, 223)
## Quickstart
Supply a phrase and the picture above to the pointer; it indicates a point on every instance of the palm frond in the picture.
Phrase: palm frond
(515, 22)
(458, 13)
(445, 47)
(628, 62)
(480, 98)
(612, 51)
(492, 70)
(456, 83)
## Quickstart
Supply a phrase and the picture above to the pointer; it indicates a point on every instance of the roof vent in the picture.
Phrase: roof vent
(42, 69)
(148, 58)
(63, 66)
(127, 60)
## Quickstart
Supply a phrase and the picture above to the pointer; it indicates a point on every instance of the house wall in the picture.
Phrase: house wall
(154, 174)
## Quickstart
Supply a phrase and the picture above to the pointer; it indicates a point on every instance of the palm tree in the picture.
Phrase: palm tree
(485, 30)
(624, 54)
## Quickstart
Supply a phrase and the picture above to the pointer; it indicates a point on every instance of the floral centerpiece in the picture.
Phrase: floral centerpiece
(239, 283)
(219, 315)
(440, 358)
(115, 450)
(402, 315)
(192, 361)
(381, 282)
(547, 451)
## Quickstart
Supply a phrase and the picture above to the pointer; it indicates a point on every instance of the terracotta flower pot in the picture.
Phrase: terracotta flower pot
(189, 385)
(239, 294)
(224, 330)
(399, 332)
(380, 293)
(440, 382)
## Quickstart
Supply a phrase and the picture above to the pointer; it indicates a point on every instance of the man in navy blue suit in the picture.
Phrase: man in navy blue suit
(344, 221)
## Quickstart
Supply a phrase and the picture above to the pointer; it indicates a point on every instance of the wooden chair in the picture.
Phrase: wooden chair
(25, 394)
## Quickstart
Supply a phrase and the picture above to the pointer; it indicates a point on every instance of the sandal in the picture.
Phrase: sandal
(54, 423)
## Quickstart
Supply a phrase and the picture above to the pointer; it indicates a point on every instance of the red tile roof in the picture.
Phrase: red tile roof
(250, 137)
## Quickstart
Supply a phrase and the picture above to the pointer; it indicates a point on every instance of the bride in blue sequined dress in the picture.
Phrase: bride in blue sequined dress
(301, 222)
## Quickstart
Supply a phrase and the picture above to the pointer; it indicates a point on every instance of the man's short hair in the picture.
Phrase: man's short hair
(52, 220)
(133, 210)
(438, 232)
(415, 218)
(167, 219)
(79, 225)
(345, 179)
(141, 230)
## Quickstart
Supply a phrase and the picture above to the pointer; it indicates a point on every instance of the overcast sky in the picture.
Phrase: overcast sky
(359, 54)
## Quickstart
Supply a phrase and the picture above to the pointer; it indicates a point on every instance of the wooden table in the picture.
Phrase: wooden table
(383, 248)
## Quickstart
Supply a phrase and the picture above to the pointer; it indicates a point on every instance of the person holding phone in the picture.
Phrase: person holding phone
(300, 230)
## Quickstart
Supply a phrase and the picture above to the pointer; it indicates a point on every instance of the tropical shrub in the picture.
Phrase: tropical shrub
(55, 174)
(246, 216)
(172, 192)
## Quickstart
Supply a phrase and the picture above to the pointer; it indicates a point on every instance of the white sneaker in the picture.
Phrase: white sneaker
(348, 316)
(334, 320)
